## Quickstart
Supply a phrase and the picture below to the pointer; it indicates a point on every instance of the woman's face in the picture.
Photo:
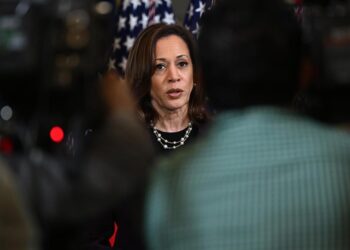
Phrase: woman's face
(172, 81)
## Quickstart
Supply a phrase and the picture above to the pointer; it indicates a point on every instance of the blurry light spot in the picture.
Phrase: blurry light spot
(103, 8)
(22, 8)
(78, 19)
(56, 134)
(77, 39)
(63, 78)
(6, 113)
(17, 42)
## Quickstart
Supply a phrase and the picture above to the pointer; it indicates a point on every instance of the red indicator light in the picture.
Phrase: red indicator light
(56, 134)
(6, 145)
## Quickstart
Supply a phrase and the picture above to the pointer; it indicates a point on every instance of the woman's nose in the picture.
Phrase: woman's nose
(173, 74)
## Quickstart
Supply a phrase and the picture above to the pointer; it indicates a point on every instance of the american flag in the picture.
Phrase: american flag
(132, 17)
(195, 11)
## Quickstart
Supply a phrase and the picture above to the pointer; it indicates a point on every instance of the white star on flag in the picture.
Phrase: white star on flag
(111, 64)
(135, 3)
(123, 63)
(129, 42)
(121, 23)
(159, 2)
(190, 11)
(133, 22)
(116, 44)
(144, 21)
(157, 19)
(126, 4)
(201, 8)
(168, 2)
(169, 18)
(146, 2)
(196, 30)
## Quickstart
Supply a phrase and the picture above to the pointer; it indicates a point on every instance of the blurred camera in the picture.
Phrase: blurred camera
(51, 52)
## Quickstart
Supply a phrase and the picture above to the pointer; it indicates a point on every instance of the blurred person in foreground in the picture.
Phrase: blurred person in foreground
(52, 79)
(67, 198)
(163, 73)
(17, 230)
(264, 177)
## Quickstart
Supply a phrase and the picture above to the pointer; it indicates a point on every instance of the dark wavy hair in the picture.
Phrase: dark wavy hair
(140, 68)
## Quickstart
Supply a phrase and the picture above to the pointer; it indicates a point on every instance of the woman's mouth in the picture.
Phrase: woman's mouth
(174, 93)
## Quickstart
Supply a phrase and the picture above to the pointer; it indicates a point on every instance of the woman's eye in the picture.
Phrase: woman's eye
(182, 64)
(160, 66)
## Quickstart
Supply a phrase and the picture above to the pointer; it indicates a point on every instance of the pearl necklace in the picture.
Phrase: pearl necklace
(171, 144)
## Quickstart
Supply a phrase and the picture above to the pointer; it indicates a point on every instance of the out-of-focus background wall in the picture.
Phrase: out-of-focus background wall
(180, 8)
